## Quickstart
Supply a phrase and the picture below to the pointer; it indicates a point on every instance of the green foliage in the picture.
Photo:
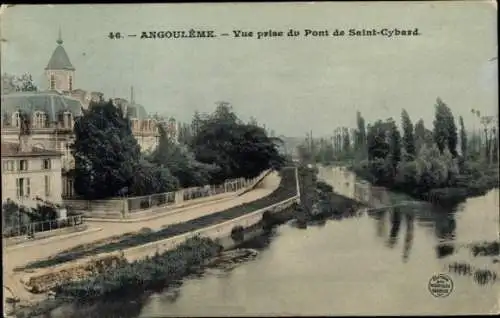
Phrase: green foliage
(434, 171)
(108, 160)
(159, 270)
(408, 136)
(378, 141)
(239, 149)
(463, 138)
(178, 160)
(395, 143)
(445, 130)
(22, 83)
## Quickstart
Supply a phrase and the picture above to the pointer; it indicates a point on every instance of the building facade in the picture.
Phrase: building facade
(29, 173)
(53, 112)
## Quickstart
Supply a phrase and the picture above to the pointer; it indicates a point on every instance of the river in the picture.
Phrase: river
(373, 263)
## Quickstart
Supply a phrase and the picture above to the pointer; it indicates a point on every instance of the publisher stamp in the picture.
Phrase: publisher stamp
(440, 285)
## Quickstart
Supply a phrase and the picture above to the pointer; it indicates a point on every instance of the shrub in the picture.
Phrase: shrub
(238, 233)
(143, 274)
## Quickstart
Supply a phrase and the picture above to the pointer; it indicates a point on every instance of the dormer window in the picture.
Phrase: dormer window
(16, 119)
(52, 81)
(67, 119)
(135, 124)
(39, 119)
(70, 83)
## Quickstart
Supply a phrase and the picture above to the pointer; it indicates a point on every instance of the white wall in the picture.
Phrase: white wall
(37, 180)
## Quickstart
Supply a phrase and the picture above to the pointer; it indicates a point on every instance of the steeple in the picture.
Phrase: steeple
(59, 39)
(60, 72)
(59, 59)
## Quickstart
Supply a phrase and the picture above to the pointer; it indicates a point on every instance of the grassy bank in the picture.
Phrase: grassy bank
(319, 201)
(157, 271)
(286, 189)
(471, 180)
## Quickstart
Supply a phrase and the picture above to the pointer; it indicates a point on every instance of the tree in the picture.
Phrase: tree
(419, 135)
(180, 162)
(463, 137)
(22, 83)
(445, 130)
(395, 142)
(360, 142)
(408, 137)
(106, 153)
(346, 141)
(239, 149)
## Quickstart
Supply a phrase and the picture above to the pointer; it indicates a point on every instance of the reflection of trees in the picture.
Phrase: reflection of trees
(395, 226)
(399, 215)
(444, 227)
(410, 221)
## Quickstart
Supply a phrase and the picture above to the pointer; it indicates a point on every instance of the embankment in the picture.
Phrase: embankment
(76, 268)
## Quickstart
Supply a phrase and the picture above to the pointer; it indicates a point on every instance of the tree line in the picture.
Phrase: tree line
(416, 160)
(220, 146)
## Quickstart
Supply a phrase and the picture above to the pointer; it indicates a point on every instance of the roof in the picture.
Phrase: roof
(60, 60)
(49, 102)
(12, 150)
(137, 111)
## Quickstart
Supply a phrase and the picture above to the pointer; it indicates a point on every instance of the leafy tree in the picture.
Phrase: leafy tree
(408, 137)
(395, 142)
(360, 143)
(377, 142)
(346, 141)
(22, 83)
(106, 153)
(239, 149)
(180, 162)
(463, 137)
(445, 130)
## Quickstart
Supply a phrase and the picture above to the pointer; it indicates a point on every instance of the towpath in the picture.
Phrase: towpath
(21, 255)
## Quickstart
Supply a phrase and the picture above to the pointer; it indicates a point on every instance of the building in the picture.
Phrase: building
(29, 173)
(53, 112)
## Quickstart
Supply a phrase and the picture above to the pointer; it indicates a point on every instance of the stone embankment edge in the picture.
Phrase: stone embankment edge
(161, 246)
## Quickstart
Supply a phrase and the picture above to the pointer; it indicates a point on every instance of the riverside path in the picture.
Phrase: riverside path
(20, 255)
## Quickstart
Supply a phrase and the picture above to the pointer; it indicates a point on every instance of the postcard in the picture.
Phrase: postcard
(250, 159)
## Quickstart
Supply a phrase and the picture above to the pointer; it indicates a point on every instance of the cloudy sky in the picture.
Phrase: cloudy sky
(290, 84)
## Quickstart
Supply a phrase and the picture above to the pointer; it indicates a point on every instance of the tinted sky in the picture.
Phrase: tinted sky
(290, 84)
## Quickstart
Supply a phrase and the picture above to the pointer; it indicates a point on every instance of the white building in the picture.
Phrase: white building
(29, 172)
(53, 113)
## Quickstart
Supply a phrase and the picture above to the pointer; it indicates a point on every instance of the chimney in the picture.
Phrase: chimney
(25, 135)
(25, 143)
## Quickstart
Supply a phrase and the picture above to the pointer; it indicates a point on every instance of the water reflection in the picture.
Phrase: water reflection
(342, 265)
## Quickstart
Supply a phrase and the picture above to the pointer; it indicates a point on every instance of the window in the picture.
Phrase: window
(23, 165)
(70, 83)
(39, 119)
(68, 191)
(16, 119)
(52, 81)
(22, 187)
(47, 186)
(46, 164)
(8, 165)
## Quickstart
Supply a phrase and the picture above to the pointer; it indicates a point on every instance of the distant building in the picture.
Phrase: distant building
(53, 112)
(29, 172)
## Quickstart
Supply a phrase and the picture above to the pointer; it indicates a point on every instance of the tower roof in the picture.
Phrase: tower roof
(59, 59)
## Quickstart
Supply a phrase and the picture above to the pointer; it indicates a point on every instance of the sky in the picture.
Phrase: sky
(290, 84)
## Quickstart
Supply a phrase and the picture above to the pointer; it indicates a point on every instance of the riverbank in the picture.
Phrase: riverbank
(142, 276)
(472, 180)
(285, 190)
